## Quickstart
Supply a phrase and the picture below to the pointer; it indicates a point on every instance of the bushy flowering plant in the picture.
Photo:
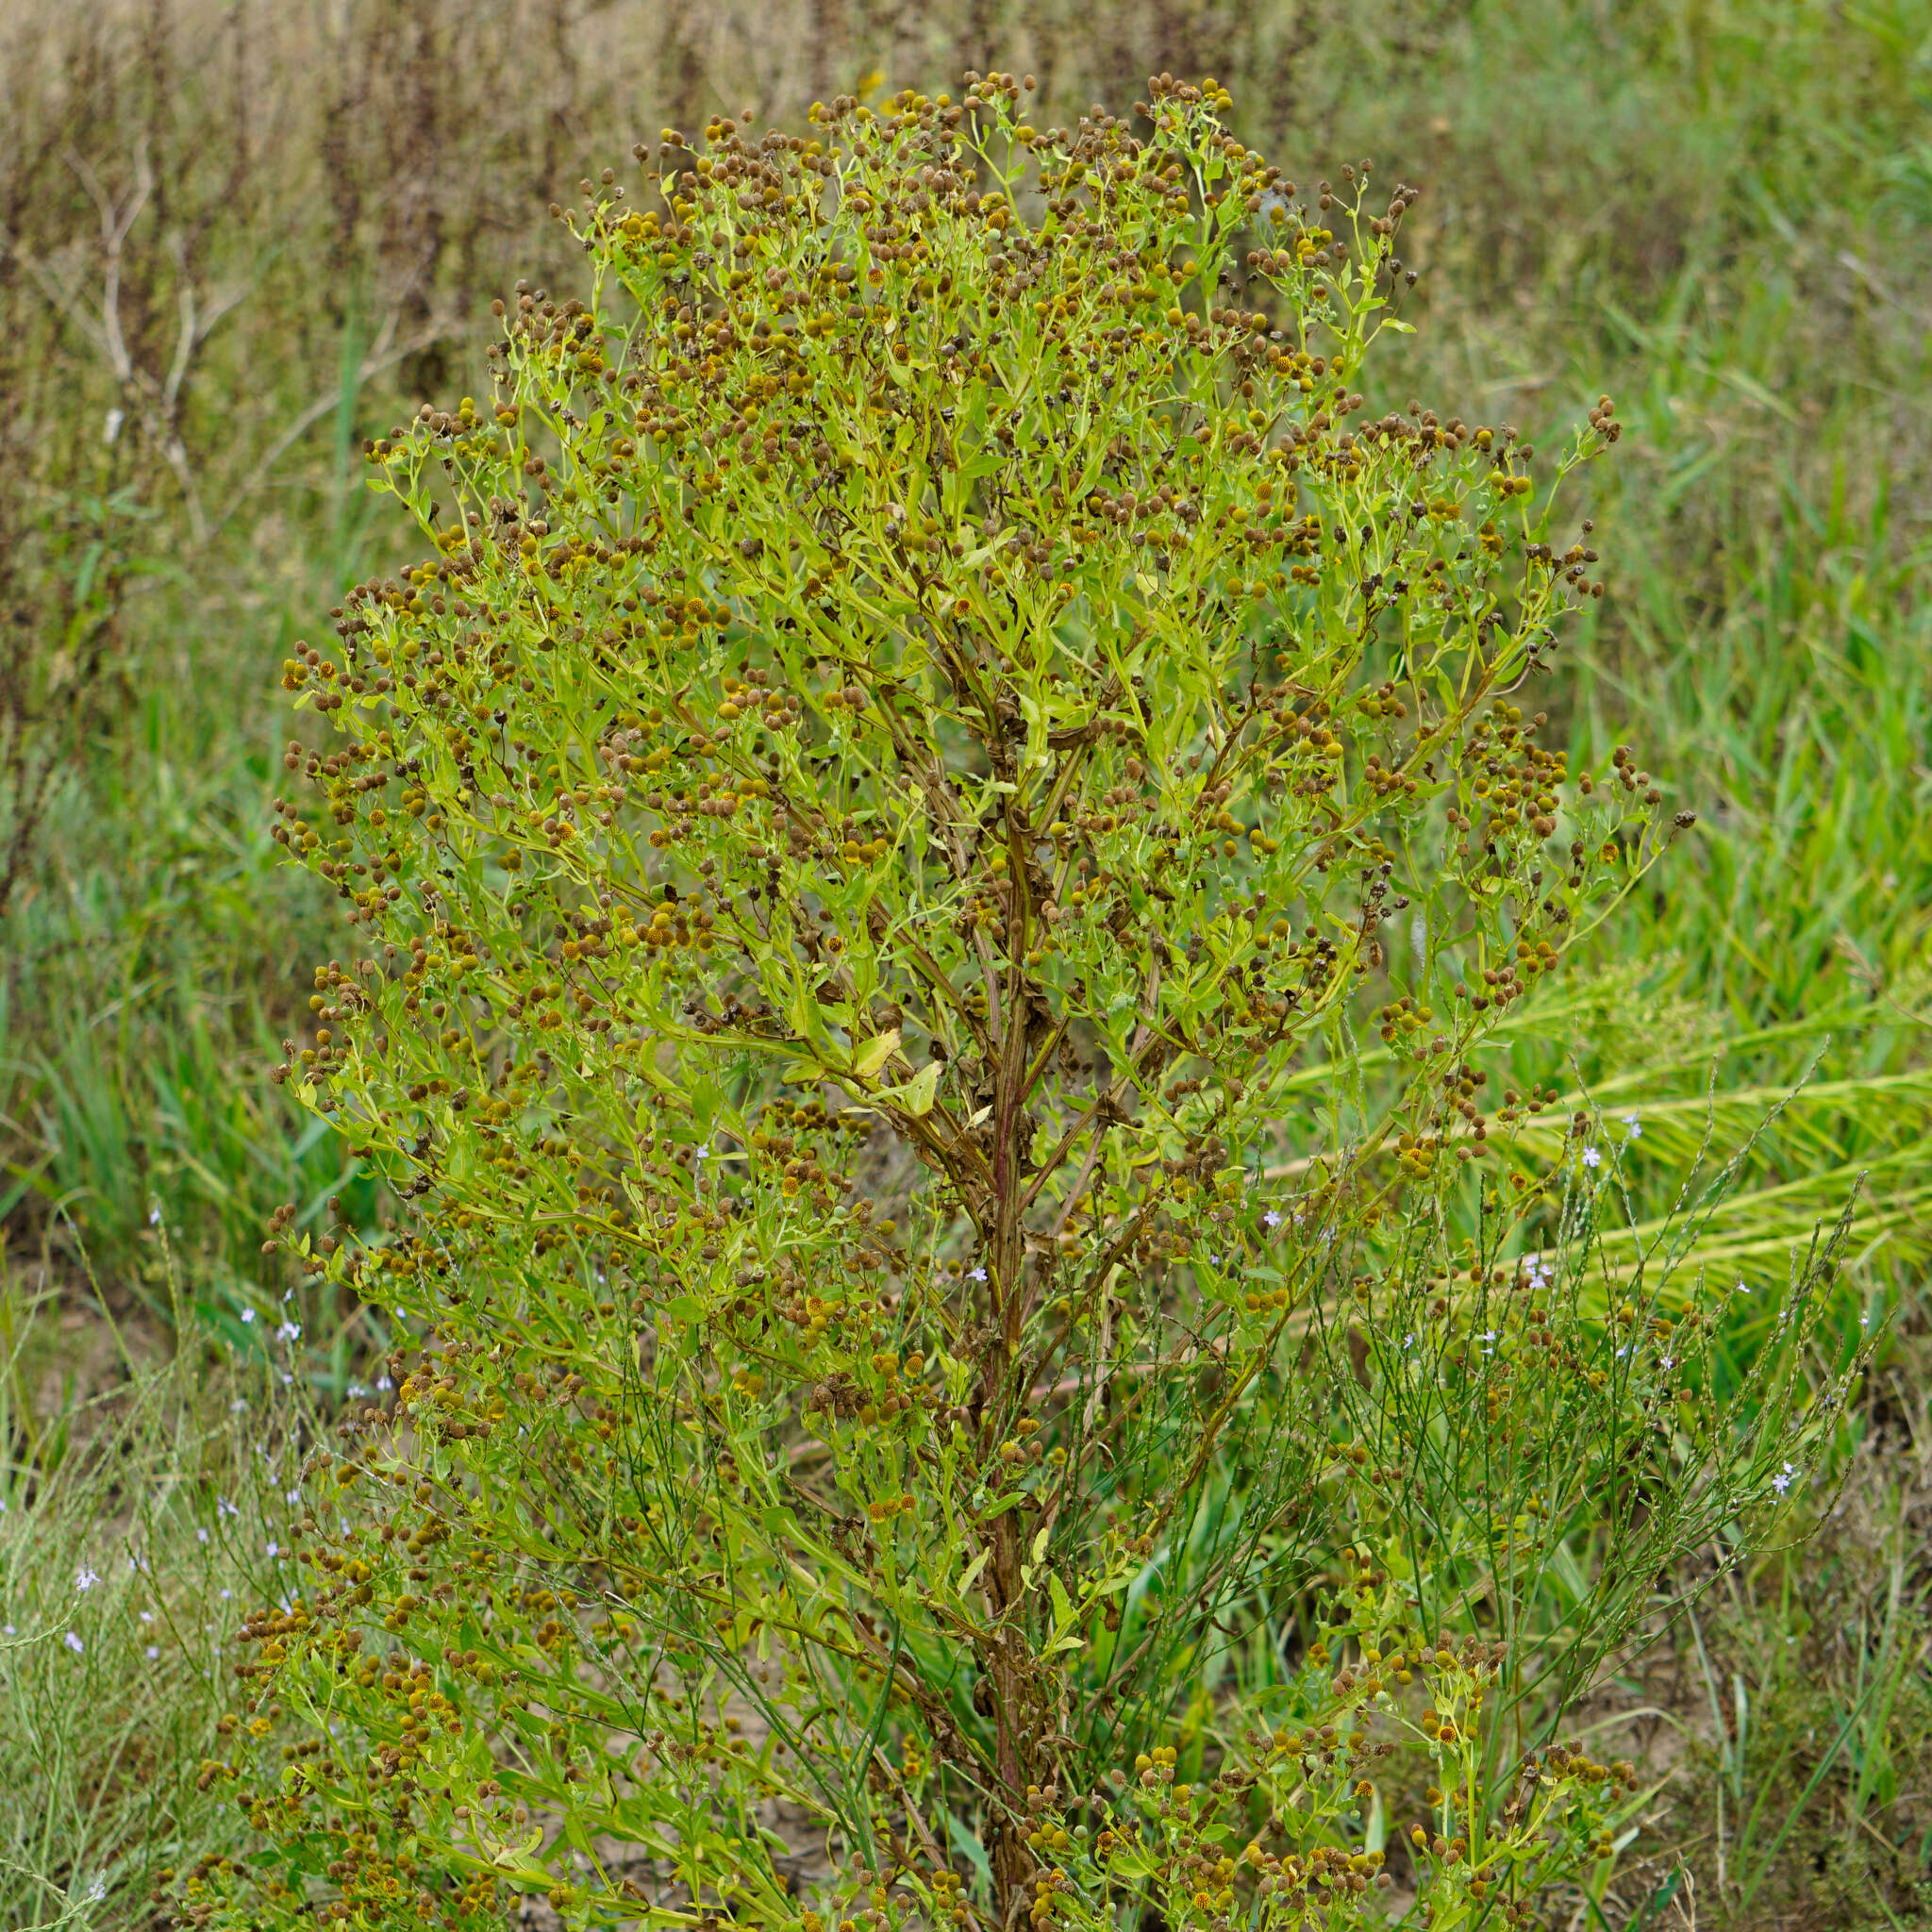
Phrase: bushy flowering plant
(958, 1377)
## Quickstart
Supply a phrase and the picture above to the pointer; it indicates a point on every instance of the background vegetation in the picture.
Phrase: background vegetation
(235, 240)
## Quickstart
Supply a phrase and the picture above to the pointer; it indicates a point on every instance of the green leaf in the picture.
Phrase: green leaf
(1062, 1603)
(966, 1840)
(917, 1094)
(875, 1054)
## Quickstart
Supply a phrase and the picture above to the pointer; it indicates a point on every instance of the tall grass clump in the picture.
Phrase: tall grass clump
(134, 1525)
(943, 840)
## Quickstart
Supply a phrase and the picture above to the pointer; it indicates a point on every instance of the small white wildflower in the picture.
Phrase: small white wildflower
(1782, 1482)
(226, 1594)
(97, 1891)
(86, 1579)
(274, 1550)
(1636, 1126)
(384, 1382)
(153, 1650)
(154, 1215)
(977, 1275)
(74, 1643)
(201, 1536)
(248, 1314)
(147, 1616)
(1592, 1158)
(289, 1331)
(1271, 1219)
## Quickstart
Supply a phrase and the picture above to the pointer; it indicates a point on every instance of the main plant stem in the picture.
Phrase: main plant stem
(1002, 1663)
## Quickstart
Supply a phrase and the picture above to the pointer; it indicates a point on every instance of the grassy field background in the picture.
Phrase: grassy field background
(235, 240)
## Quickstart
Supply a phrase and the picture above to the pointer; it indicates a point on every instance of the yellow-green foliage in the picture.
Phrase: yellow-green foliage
(926, 695)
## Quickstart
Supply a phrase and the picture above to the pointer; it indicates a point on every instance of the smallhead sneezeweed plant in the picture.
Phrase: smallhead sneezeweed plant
(932, 848)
